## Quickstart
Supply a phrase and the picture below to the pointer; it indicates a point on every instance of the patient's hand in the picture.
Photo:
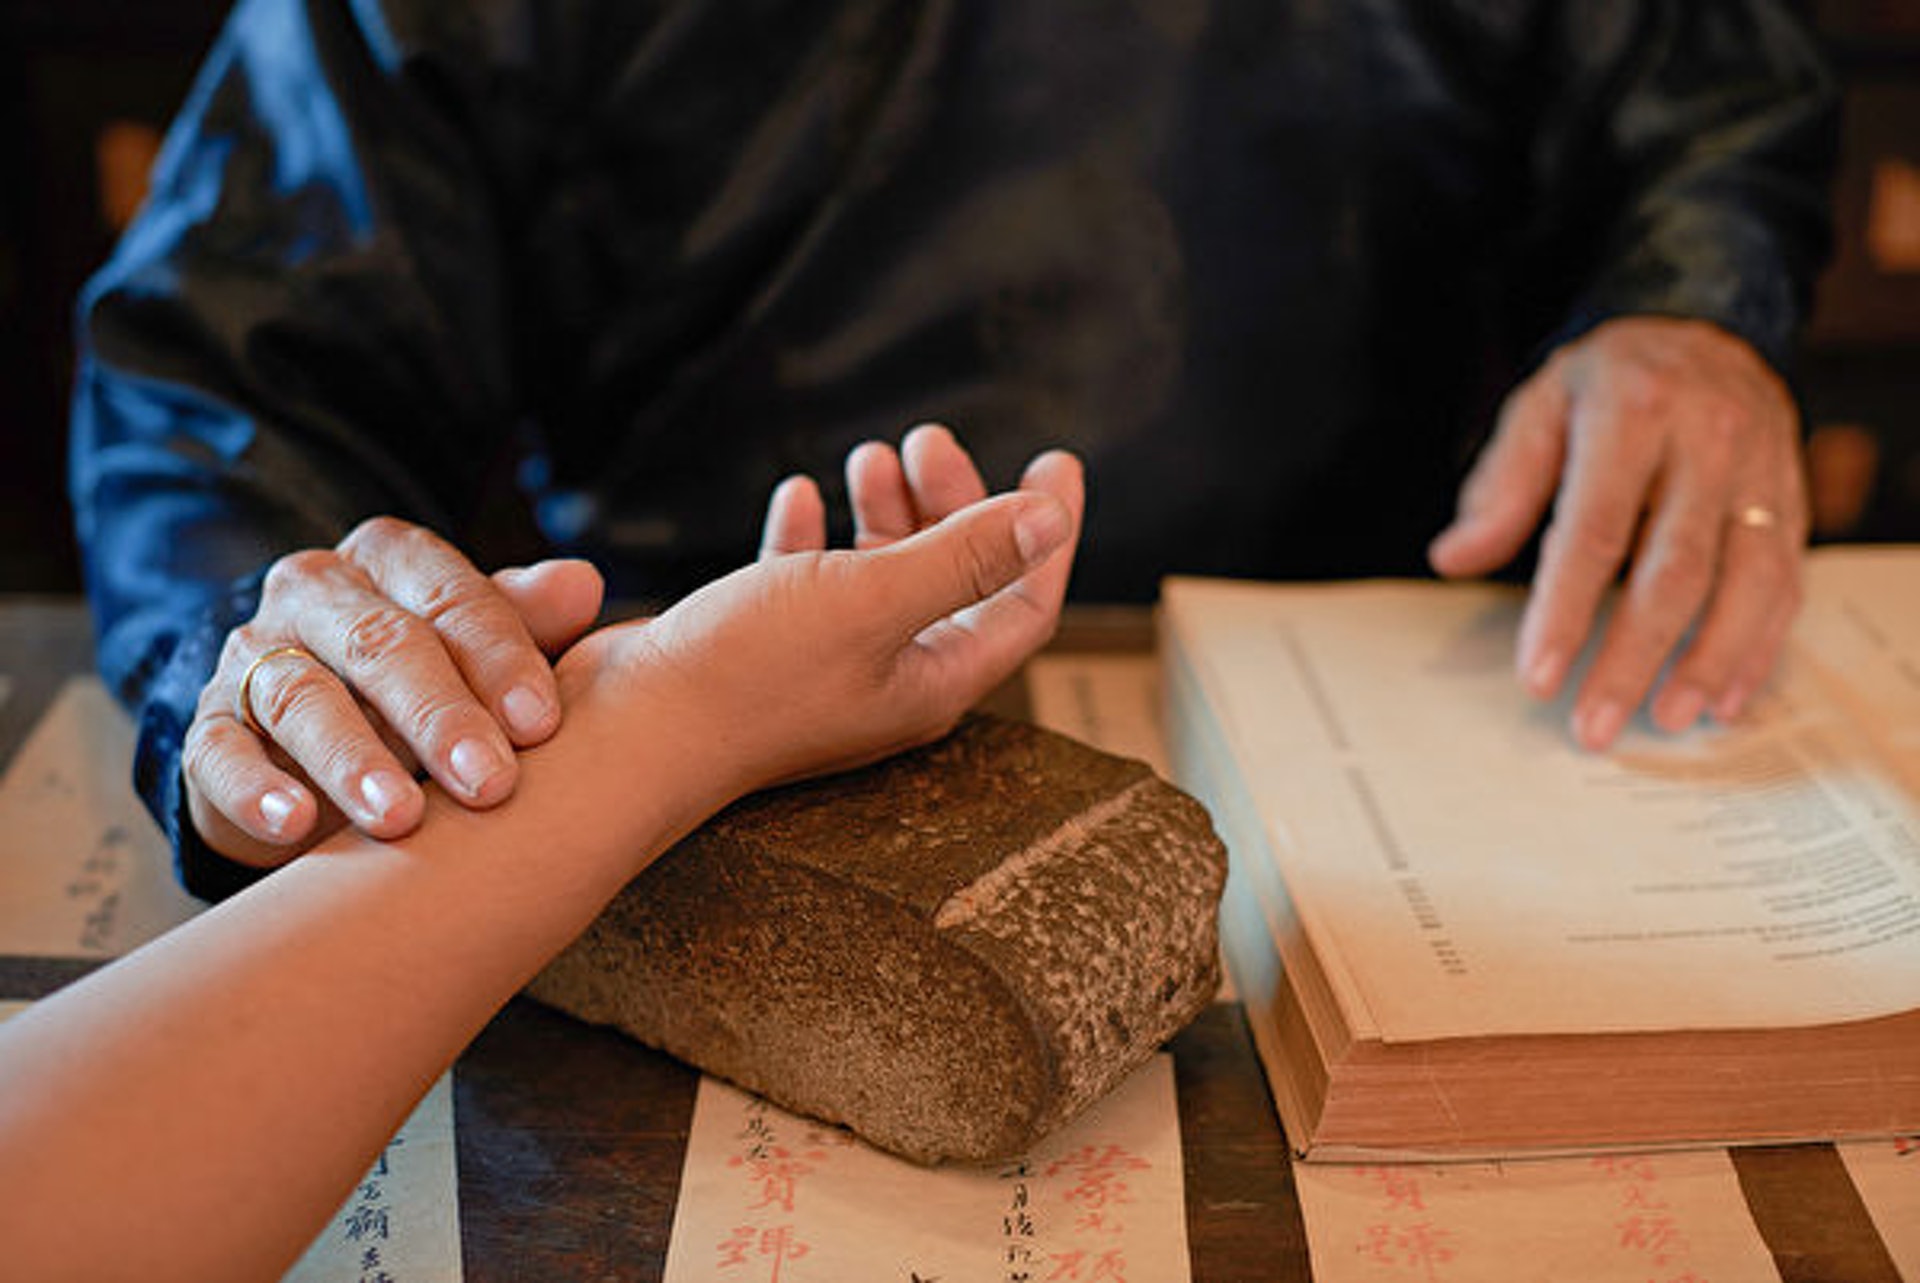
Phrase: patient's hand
(814, 660)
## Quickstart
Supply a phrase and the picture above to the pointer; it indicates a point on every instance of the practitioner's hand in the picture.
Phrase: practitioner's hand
(1674, 452)
(387, 652)
(814, 660)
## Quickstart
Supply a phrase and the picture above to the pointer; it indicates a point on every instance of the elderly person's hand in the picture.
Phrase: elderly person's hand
(363, 661)
(1669, 448)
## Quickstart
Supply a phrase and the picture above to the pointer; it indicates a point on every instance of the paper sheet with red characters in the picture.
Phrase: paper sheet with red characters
(767, 1197)
(1628, 1218)
(1887, 1175)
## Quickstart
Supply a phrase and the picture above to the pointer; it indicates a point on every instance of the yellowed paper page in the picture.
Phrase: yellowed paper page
(1863, 642)
(1462, 868)
(401, 1224)
(1109, 701)
(769, 1198)
(1887, 1175)
(86, 873)
(1665, 1218)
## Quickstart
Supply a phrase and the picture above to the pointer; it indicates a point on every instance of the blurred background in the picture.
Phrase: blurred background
(87, 86)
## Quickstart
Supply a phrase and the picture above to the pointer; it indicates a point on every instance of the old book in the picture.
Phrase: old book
(952, 952)
(1458, 934)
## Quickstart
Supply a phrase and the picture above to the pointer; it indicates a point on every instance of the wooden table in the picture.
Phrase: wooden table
(570, 1137)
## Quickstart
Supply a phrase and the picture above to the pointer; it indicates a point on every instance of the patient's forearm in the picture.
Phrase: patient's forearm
(200, 1108)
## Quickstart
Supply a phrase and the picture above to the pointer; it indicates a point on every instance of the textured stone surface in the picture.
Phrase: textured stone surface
(951, 952)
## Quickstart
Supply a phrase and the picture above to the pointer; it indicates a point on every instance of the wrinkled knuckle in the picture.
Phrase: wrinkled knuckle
(1680, 580)
(1723, 433)
(1643, 392)
(298, 692)
(458, 601)
(379, 635)
(296, 570)
(241, 645)
(374, 532)
(1596, 544)
(342, 759)
(428, 720)
(201, 759)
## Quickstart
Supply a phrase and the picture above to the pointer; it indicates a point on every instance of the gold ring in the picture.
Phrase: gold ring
(1756, 516)
(243, 701)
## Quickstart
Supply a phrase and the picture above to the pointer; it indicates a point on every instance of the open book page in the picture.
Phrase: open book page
(1616, 1219)
(1625, 1217)
(1861, 639)
(1886, 1173)
(769, 1197)
(1462, 868)
(86, 873)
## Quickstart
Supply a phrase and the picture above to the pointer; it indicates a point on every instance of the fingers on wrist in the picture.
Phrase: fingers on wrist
(557, 600)
(476, 625)
(393, 634)
(227, 767)
(308, 713)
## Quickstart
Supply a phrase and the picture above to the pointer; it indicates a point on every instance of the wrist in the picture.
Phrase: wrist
(639, 760)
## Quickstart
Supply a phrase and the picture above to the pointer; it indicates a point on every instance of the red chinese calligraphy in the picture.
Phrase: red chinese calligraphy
(1079, 1264)
(776, 1244)
(1099, 1174)
(1399, 1188)
(1656, 1235)
(1648, 1229)
(777, 1170)
(1420, 1246)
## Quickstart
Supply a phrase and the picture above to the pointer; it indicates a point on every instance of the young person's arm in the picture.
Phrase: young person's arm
(200, 1108)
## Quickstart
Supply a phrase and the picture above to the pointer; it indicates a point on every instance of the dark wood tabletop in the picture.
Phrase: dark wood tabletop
(571, 1137)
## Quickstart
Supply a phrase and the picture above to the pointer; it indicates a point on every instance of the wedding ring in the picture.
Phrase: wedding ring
(1756, 516)
(243, 701)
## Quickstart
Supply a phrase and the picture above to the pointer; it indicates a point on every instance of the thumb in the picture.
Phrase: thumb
(558, 599)
(971, 554)
(1512, 483)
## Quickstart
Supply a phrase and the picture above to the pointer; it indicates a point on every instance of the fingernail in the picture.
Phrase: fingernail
(1680, 707)
(525, 711)
(475, 762)
(276, 807)
(1041, 529)
(1731, 704)
(383, 791)
(1597, 725)
(1544, 674)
